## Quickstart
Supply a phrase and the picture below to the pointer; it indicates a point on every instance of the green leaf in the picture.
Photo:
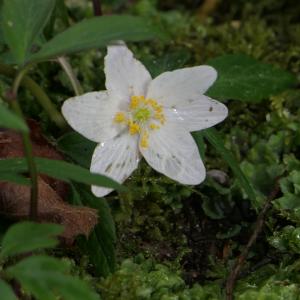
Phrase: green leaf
(214, 138)
(9, 120)
(198, 137)
(6, 292)
(61, 170)
(288, 201)
(241, 77)
(230, 232)
(27, 236)
(44, 277)
(15, 178)
(77, 147)
(168, 62)
(22, 22)
(95, 33)
(100, 246)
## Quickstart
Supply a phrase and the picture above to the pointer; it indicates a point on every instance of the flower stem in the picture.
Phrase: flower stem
(28, 151)
(70, 73)
(39, 94)
(33, 214)
(18, 80)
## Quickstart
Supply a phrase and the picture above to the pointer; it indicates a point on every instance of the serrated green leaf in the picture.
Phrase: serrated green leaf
(44, 277)
(101, 243)
(61, 170)
(241, 77)
(22, 22)
(6, 291)
(77, 147)
(9, 120)
(95, 33)
(215, 140)
(27, 236)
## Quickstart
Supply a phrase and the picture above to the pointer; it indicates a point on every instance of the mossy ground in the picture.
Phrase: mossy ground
(200, 231)
(178, 242)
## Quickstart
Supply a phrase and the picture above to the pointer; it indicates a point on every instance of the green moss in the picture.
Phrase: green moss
(148, 217)
(142, 279)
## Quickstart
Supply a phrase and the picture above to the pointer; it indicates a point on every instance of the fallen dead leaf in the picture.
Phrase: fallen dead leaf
(15, 199)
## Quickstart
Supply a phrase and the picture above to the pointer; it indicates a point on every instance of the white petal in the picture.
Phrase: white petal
(125, 76)
(173, 152)
(181, 85)
(92, 115)
(198, 114)
(116, 158)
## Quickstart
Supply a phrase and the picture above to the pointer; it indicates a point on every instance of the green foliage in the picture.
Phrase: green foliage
(270, 282)
(241, 77)
(61, 170)
(28, 237)
(45, 278)
(214, 138)
(100, 245)
(41, 276)
(139, 279)
(272, 290)
(77, 147)
(143, 279)
(16, 178)
(22, 22)
(287, 239)
(169, 62)
(96, 33)
(288, 204)
(6, 291)
(9, 120)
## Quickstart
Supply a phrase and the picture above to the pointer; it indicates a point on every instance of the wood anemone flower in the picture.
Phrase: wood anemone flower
(139, 116)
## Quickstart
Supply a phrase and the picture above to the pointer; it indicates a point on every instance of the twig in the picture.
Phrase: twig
(257, 229)
(97, 7)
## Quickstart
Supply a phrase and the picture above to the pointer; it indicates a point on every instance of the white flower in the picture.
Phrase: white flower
(140, 116)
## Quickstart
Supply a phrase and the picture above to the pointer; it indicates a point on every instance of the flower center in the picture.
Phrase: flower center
(143, 115)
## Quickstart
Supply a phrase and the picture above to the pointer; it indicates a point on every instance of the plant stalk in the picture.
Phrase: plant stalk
(33, 214)
(71, 75)
(39, 94)
(28, 151)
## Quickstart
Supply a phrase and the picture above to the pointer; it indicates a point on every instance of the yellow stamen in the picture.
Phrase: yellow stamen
(158, 109)
(151, 102)
(120, 117)
(135, 102)
(153, 126)
(144, 141)
(160, 117)
(133, 128)
(145, 114)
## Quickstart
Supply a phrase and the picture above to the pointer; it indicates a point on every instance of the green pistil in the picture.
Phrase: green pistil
(142, 115)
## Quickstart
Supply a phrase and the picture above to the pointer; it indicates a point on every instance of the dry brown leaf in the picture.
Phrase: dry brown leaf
(15, 203)
(15, 199)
